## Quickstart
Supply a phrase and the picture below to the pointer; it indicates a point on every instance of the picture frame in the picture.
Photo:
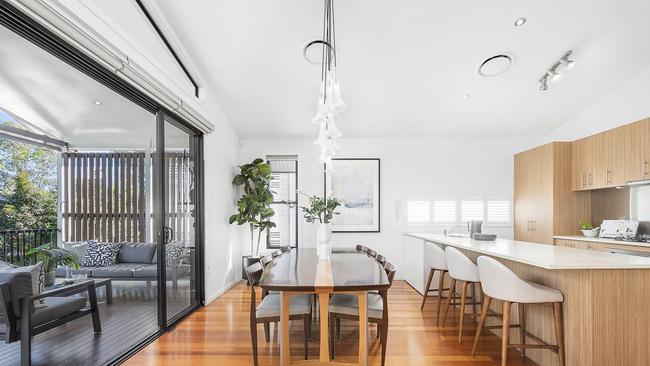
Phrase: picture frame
(356, 183)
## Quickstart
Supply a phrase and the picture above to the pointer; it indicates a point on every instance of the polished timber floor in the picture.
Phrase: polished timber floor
(219, 334)
(131, 318)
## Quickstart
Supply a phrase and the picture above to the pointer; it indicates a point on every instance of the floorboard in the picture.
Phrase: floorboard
(219, 334)
(131, 318)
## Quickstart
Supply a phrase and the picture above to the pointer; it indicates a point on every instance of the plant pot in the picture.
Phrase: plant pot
(48, 278)
(324, 240)
(248, 260)
(591, 233)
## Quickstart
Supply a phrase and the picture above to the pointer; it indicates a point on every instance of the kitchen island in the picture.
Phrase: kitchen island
(606, 318)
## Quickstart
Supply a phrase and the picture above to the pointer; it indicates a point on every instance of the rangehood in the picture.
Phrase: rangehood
(639, 183)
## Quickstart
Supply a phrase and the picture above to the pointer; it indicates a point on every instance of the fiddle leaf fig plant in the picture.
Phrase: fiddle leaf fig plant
(321, 209)
(254, 205)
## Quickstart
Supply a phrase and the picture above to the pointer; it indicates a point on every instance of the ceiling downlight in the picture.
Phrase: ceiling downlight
(495, 65)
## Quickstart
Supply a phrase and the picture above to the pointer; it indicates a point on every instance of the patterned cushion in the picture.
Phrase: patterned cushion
(99, 254)
(174, 251)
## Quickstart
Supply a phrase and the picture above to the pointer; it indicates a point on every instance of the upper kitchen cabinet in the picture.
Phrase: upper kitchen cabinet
(583, 163)
(637, 150)
(544, 202)
(614, 148)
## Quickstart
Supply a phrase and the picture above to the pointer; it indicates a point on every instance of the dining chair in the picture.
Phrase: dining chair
(345, 306)
(276, 253)
(371, 253)
(266, 260)
(268, 310)
(285, 249)
(381, 259)
(361, 248)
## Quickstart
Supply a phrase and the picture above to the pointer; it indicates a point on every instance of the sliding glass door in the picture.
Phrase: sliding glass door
(178, 172)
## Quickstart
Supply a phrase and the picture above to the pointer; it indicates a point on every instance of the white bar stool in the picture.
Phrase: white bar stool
(499, 282)
(436, 260)
(464, 270)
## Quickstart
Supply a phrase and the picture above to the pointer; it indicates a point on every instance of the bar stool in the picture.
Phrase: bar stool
(464, 270)
(499, 282)
(436, 259)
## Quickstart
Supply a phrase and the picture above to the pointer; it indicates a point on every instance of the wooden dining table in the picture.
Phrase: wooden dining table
(301, 271)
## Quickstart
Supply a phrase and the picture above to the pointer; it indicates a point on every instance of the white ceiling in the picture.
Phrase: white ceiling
(60, 101)
(405, 65)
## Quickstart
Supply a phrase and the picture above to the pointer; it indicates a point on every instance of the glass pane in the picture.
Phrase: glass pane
(96, 192)
(285, 231)
(180, 214)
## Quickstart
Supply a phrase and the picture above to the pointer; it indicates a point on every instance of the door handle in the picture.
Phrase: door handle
(168, 235)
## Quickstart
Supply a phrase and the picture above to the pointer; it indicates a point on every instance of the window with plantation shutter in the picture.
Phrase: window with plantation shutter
(418, 211)
(499, 211)
(444, 211)
(471, 209)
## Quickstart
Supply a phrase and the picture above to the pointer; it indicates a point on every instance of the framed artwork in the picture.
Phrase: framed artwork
(355, 182)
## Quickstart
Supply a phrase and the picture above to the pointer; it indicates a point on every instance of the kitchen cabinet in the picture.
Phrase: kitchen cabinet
(614, 148)
(583, 163)
(544, 202)
(637, 150)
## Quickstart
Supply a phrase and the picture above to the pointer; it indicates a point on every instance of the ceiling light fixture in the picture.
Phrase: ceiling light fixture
(329, 101)
(519, 22)
(554, 71)
(98, 102)
(466, 96)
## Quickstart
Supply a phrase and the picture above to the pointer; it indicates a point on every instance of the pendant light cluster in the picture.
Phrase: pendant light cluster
(553, 73)
(329, 101)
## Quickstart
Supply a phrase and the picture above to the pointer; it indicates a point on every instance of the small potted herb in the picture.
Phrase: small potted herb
(589, 230)
(53, 256)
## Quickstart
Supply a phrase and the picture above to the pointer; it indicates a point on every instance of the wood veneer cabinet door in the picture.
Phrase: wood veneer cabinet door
(577, 180)
(637, 151)
(614, 141)
(582, 164)
(598, 175)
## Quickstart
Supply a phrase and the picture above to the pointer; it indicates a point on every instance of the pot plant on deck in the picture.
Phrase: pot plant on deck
(322, 210)
(53, 256)
(254, 205)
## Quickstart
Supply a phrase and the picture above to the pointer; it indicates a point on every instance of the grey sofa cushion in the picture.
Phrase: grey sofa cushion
(76, 247)
(20, 286)
(58, 307)
(136, 253)
(120, 270)
(151, 271)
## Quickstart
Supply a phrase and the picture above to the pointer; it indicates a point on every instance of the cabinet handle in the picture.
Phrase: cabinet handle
(591, 180)
(609, 180)
(645, 167)
(584, 180)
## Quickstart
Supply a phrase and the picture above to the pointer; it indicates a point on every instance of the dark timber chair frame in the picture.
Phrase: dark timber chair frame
(23, 329)
(254, 273)
(276, 253)
(285, 249)
(382, 323)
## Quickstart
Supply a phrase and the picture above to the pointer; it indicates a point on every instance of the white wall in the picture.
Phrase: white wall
(629, 103)
(409, 167)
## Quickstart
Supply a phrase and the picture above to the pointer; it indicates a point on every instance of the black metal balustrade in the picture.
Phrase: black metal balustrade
(15, 243)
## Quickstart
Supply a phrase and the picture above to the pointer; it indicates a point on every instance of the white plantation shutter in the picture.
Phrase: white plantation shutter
(471, 209)
(444, 211)
(499, 211)
(418, 211)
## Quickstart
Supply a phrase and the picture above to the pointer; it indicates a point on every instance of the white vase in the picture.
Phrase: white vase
(324, 239)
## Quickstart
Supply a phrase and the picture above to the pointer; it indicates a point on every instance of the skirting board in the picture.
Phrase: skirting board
(214, 296)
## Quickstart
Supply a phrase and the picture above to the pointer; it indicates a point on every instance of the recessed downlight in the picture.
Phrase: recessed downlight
(519, 22)
(98, 102)
(466, 96)
(495, 65)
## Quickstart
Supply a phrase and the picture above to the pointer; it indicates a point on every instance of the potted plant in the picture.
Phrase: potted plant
(53, 256)
(254, 205)
(322, 210)
(588, 230)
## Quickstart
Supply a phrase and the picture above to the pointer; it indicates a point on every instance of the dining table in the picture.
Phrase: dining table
(345, 270)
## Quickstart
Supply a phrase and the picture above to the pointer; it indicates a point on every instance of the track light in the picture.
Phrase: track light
(553, 72)
(567, 62)
(543, 83)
